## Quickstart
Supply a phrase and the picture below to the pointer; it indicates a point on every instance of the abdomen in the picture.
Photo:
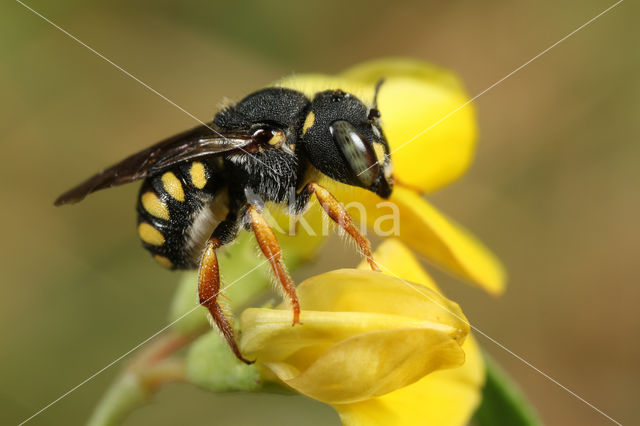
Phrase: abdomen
(177, 211)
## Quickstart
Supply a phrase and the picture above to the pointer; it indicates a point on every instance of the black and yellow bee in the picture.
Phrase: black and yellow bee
(202, 185)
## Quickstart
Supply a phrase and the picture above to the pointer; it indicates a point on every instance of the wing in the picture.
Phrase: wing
(201, 141)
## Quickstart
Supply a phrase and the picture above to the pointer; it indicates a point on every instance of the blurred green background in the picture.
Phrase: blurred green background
(553, 190)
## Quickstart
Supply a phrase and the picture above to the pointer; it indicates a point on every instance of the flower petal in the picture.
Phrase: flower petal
(376, 363)
(446, 397)
(268, 333)
(399, 261)
(428, 232)
(363, 334)
(350, 290)
(443, 398)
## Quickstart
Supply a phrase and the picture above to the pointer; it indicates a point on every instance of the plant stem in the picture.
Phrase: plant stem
(148, 371)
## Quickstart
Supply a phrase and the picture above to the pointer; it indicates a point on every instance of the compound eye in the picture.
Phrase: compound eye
(358, 152)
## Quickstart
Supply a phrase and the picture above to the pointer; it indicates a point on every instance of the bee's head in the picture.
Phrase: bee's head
(343, 140)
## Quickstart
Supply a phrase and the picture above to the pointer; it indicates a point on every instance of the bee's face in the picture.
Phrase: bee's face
(343, 140)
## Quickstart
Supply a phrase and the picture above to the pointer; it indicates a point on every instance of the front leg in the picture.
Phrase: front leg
(271, 249)
(339, 215)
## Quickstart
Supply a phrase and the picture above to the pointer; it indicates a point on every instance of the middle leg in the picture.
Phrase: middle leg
(271, 249)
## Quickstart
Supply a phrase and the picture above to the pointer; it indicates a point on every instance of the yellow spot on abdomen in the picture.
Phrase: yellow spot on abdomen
(163, 261)
(308, 122)
(198, 176)
(154, 205)
(150, 235)
(173, 186)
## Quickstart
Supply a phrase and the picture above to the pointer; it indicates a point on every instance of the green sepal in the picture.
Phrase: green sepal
(503, 403)
(212, 365)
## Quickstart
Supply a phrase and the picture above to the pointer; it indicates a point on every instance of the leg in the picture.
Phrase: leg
(339, 215)
(209, 289)
(271, 249)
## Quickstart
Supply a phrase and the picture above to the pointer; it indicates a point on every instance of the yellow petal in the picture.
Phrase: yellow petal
(429, 233)
(399, 261)
(350, 290)
(430, 128)
(443, 398)
(363, 334)
(372, 364)
(268, 333)
(446, 397)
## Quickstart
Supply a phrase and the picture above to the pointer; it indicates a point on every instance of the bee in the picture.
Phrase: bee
(203, 186)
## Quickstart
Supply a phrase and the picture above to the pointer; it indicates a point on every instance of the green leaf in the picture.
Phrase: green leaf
(503, 403)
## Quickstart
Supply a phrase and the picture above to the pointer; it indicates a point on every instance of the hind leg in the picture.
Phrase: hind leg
(209, 284)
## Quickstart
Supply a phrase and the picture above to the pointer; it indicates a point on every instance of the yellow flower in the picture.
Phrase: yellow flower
(381, 351)
(431, 145)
